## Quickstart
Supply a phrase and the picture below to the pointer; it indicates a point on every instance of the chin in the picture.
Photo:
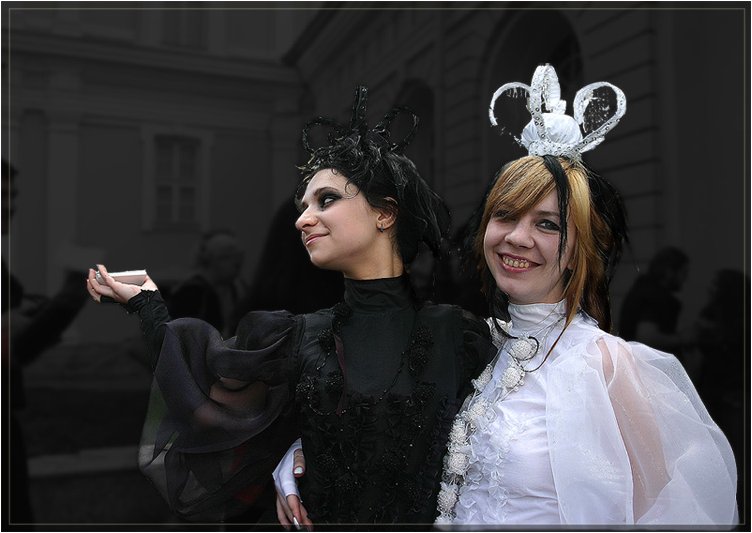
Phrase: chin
(323, 263)
(318, 263)
(515, 297)
(507, 288)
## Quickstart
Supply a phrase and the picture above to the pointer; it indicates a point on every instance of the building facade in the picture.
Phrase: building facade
(136, 127)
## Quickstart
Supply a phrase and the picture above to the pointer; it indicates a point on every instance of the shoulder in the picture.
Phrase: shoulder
(453, 316)
(584, 330)
(583, 342)
(321, 315)
(264, 328)
(467, 334)
(613, 355)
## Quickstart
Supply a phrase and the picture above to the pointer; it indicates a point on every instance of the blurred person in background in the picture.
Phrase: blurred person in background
(31, 324)
(651, 309)
(214, 292)
(723, 339)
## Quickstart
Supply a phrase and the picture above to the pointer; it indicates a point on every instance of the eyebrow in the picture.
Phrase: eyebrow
(548, 213)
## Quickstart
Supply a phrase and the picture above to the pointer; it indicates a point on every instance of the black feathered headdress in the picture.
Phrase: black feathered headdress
(373, 162)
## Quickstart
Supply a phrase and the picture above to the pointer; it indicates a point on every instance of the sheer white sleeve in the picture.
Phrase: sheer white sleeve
(632, 443)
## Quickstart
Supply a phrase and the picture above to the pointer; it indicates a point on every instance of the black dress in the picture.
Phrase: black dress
(372, 386)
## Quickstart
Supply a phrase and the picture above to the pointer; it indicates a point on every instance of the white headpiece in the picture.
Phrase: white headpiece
(552, 132)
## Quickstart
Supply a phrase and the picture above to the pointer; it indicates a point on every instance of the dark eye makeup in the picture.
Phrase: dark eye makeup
(327, 198)
(549, 225)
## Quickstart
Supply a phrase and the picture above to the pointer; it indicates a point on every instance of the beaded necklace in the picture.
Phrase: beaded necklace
(457, 461)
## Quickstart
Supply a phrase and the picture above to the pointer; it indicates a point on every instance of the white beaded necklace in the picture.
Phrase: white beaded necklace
(520, 350)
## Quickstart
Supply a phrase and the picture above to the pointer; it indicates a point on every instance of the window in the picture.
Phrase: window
(175, 186)
(176, 180)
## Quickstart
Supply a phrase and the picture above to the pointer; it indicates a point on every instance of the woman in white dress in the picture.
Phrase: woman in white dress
(571, 425)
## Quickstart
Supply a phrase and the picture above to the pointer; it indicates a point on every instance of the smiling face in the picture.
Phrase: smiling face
(522, 251)
(339, 228)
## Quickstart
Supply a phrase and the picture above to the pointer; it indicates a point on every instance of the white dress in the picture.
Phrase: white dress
(605, 432)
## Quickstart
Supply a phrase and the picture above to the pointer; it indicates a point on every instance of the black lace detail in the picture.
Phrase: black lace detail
(341, 313)
(430, 472)
(368, 450)
(327, 463)
(362, 453)
(304, 391)
(416, 354)
(419, 350)
(326, 340)
(334, 383)
(139, 301)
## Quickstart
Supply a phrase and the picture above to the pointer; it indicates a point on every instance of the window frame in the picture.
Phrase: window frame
(204, 141)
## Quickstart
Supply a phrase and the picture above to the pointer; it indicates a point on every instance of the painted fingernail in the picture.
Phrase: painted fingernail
(295, 521)
(297, 470)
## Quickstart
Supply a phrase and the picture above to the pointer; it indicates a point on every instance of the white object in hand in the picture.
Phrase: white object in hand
(133, 277)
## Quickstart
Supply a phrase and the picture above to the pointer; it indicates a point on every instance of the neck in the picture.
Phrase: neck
(384, 262)
(392, 269)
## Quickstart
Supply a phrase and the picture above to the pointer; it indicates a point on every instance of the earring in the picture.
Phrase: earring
(381, 229)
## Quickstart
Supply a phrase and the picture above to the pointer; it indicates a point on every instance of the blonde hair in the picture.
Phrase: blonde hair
(520, 186)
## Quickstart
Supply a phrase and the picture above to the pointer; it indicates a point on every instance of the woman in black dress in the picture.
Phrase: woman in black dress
(372, 385)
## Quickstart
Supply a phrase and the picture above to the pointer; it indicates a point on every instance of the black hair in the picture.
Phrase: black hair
(387, 178)
(562, 188)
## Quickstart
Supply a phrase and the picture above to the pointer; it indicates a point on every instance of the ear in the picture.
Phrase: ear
(387, 217)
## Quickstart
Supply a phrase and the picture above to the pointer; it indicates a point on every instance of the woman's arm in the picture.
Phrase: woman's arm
(145, 300)
(681, 466)
(638, 427)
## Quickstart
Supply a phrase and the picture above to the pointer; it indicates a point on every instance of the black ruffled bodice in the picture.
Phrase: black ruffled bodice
(375, 414)
(371, 385)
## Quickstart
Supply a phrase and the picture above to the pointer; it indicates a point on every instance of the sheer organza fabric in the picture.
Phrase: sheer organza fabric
(210, 442)
(605, 432)
(210, 461)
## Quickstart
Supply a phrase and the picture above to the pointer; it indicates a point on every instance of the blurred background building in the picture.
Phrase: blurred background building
(138, 127)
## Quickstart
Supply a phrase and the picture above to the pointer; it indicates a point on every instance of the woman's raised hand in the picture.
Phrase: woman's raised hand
(113, 289)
